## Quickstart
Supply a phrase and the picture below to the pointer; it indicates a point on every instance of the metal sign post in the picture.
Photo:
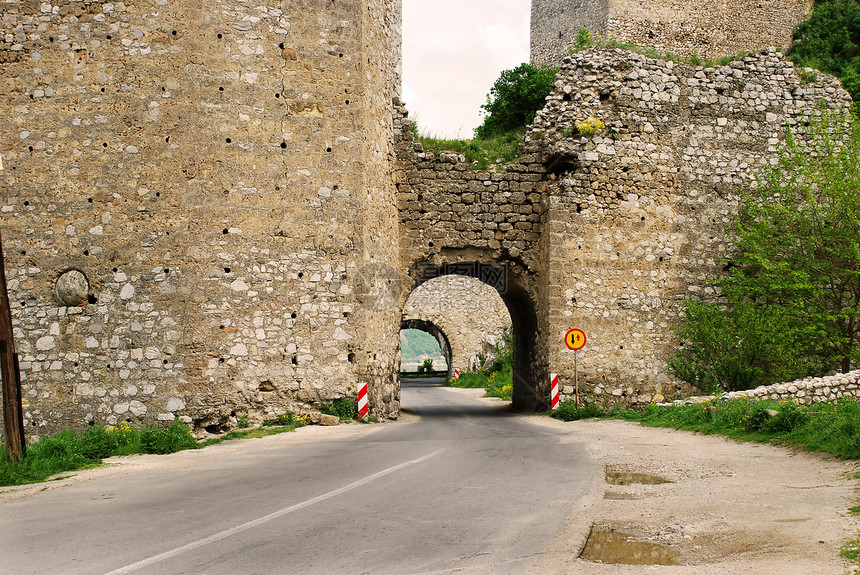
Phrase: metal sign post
(575, 339)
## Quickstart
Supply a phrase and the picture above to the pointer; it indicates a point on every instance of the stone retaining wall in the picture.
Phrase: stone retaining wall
(827, 389)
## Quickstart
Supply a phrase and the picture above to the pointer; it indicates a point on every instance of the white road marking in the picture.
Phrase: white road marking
(266, 518)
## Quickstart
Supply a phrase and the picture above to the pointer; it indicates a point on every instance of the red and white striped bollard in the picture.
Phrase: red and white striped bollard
(553, 377)
(362, 400)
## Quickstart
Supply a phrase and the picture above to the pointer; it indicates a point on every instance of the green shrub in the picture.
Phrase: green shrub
(344, 408)
(515, 98)
(830, 41)
(569, 411)
(160, 441)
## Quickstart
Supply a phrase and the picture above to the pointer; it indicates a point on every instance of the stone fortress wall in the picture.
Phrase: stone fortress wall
(220, 175)
(708, 29)
(637, 216)
(237, 195)
(470, 313)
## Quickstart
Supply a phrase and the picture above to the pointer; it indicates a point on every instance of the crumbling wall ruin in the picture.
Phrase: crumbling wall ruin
(638, 213)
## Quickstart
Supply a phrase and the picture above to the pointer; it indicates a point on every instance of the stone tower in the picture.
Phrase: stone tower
(216, 178)
(708, 29)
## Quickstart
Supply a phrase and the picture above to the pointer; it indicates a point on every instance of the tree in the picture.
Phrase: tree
(514, 99)
(830, 41)
(792, 296)
(799, 238)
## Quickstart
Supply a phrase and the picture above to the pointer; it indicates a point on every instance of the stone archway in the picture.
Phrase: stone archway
(436, 332)
(470, 313)
(509, 281)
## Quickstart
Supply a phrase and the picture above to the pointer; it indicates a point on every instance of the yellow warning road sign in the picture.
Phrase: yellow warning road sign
(575, 339)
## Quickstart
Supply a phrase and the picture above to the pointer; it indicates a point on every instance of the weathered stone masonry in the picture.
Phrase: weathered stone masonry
(637, 215)
(708, 29)
(220, 175)
(238, 187)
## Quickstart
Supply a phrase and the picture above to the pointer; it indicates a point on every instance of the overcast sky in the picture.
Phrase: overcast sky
(453, 51)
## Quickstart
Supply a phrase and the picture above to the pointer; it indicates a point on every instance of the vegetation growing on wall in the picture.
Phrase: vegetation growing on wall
(793, 291)
(511, 105)
(585, 39)
(830, 41)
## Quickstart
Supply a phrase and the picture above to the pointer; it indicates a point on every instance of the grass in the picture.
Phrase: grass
(823, 427)
(498, 383)
(586, 39)
(70, 451)
(480, 154)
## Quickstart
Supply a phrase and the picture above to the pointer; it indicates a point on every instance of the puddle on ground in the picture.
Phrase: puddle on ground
(614, 547)
(630, 478)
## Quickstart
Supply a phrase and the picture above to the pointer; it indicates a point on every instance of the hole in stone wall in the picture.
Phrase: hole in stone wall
(228, 140)
(328, 150)
(30, 148)
(277, 95)
(109, 37)
(86, 252)
(301, 274)
(91, 299)
(430, 244)
(104, 144)
(226, 270)
(294, 360)
(283, 145)
(89, 200)
(23, 252)
(220, 88)
(351, 358)
(293, 315)
(347, 102)
(26, 203)
(220, 36)
(220, 360)
(225, 231)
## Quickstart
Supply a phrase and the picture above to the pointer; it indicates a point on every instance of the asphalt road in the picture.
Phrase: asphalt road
(468, 488)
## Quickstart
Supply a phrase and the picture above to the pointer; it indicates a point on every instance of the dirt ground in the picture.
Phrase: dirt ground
(727, 507)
